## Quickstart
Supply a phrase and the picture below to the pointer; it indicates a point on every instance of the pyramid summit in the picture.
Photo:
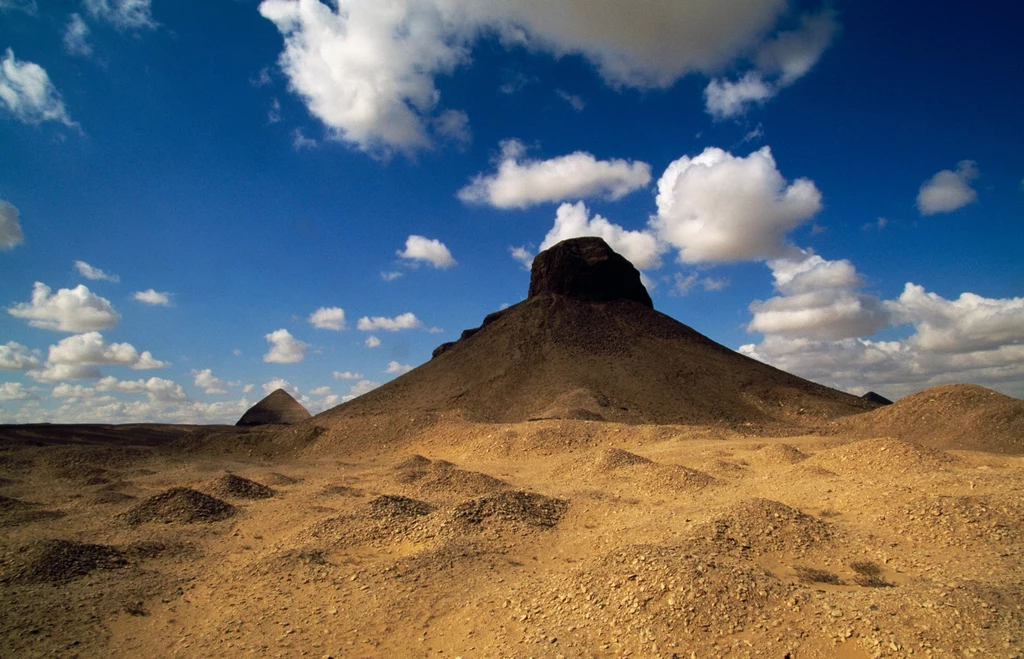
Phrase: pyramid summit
(586, 269)
(588, 344)
(277, 408)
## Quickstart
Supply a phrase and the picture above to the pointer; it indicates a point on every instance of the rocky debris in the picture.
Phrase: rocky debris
(612, 459)
(586, 269)
(275, 478)
(182, 505)
(444, 479)
(882, 458)
(64, 560)
(15, 512)
(107, 497)
(758, 526)
(231, 485)
(277, 408)
(388, 507)
(956, 416)
(654, 601)
(876, 398)
(778, 454)
(514, 507)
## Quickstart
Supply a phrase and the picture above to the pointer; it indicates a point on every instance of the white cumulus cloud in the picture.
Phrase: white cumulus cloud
(347, 375)
(279, 383)
(395, 368)
(780, 62)
(434, 252)
(403, 321)
(16, 357)
(372, 342)
(15, 391)
(284, 348)
(10, 226)
(520, 182)
(725, 98)
(721, 207)
(329, 318)
(92, 349)
(360, 388)
(970, 339)
(68, 310)
(28, 94)
(367, 68)
(970, 323)
(820, 300)
(948, 191)
(95, 274)
(211, 385)
(158, 390)
(641, 248)
(152, 297)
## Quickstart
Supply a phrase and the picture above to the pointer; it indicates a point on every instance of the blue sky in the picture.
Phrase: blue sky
(202, 201)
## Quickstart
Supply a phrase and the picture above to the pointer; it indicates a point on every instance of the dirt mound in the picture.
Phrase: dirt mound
(637, 471)
(444, 479)
(389, 507)
(518, 508)
(382, 521)
(882, 457)
(64, 560)
(957, 416)
(180, 504)
(566, 355)
(231, 485)
(15, 512)
(758, 526)
(778, 454)
(615, 458)
(106, 497)
(277, 408)
(646, 598)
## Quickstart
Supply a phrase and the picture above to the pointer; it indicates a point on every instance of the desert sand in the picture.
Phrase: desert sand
(579, 477)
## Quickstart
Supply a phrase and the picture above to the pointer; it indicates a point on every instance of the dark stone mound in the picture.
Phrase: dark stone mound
(393, 507)
(587, 269)
(516, 507)
(179, 504)
(55, 561)
(277, 408)
(231, 485)
(876, 398)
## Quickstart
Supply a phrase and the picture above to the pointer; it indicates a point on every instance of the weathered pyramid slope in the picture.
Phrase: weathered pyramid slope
(953, 416)
(277, 408)
(587, 344)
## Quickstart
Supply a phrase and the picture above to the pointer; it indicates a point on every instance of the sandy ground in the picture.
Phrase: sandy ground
(540, 539)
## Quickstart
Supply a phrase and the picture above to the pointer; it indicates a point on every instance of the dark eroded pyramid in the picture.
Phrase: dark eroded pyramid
(588, 344)
(277, 408)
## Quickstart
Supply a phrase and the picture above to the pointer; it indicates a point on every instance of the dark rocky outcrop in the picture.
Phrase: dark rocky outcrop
(587, 269)
(277, 408)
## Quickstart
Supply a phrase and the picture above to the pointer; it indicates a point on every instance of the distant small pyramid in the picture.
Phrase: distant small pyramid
(876, 398)
(277, 408)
